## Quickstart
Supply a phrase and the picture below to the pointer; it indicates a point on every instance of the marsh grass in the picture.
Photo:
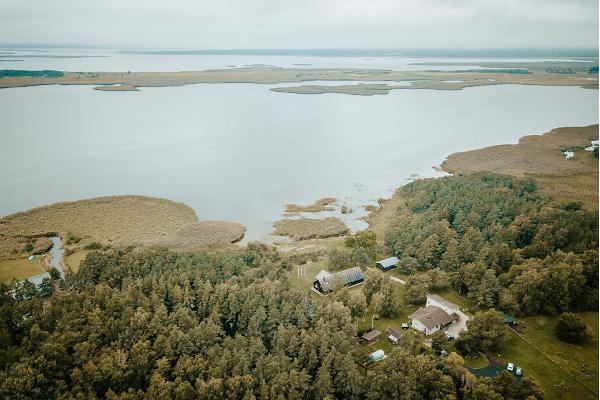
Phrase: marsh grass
(107, 220)
(323, 204)
(307, 228)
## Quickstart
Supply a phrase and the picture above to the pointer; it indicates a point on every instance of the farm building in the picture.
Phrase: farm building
(430, 319)
(371, 337)
(388, 263)
(393, 335)
(325, 284)
(322, 274)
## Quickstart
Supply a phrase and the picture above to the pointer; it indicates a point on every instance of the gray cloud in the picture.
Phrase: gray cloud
(306, 24)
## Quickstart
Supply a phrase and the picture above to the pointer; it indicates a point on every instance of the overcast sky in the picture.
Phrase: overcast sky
(400, 24)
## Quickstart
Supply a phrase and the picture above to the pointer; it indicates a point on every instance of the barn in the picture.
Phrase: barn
(325, 284)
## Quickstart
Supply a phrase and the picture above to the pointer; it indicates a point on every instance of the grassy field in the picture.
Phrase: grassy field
(72, 261)
(381, 324)
(20, 268)
(554, 381)
(475, 361)
(579, 361)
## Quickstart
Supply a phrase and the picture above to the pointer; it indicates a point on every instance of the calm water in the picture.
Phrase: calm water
(240, 152)
(116, 61)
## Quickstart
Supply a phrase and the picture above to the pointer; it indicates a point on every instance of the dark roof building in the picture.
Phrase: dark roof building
(371, 336)
(347, 277)
(388, 263)
(393, 335)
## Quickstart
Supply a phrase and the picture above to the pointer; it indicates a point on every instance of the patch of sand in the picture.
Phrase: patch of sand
(306, 228)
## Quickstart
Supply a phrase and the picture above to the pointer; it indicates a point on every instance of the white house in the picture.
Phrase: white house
(430, 319)
(437, 314)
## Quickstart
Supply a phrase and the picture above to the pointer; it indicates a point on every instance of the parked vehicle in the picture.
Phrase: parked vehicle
(519, 372)
(510, 367)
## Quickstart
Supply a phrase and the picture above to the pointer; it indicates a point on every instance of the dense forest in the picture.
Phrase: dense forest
(152, 323)
(495, 239)
(137, 324)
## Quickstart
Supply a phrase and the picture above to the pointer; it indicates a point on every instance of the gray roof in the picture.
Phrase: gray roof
(388, 262)
(371, 334)
(393, 332)
(322, 274)
(347, 276)
(431, 316)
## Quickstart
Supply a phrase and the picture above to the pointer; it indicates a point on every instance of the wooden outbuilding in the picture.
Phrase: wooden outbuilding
(393, 335)
(371, 337)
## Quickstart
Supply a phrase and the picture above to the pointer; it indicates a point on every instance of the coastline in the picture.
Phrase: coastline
(424, 79)
(542, 157)
(113, 220)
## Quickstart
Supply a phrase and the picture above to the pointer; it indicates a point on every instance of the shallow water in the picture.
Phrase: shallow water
(56, 257)
(240, 152)
(92, 60)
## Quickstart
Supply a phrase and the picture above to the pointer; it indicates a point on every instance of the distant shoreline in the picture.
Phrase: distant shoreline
(358, 79)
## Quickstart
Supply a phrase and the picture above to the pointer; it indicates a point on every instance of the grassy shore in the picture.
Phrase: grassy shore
(115, 220)
(127, 81)
(308, 228)
(541, 156)
(323, 204)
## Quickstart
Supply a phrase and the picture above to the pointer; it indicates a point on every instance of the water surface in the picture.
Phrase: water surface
(240, 152)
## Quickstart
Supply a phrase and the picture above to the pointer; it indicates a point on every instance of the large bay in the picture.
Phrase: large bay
(240, 152)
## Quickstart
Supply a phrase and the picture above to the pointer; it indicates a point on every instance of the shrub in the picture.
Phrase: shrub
(571, 328)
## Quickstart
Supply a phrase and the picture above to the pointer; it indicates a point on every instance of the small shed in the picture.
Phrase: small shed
(388, 263)
(393, 335)
(508, 319)
(371, 337)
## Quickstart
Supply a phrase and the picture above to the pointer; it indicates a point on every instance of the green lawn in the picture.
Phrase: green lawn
(555, 382)
(579, 361)
(20, 268)
(72, 261)
(475, 361)
(381, 324)
(455, 298)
